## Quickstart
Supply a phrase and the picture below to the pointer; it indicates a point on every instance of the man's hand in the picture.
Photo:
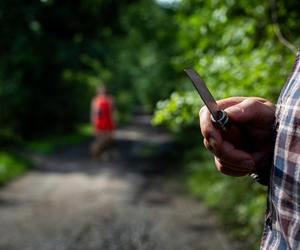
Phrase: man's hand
(253, 117)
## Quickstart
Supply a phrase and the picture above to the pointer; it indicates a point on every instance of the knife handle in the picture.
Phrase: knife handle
(223, 121)
(231, 132)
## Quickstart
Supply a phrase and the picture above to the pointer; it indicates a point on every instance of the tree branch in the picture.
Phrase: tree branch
(277, 29)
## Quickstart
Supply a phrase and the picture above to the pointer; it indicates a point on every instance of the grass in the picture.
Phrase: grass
(50, 144)
(11, 166)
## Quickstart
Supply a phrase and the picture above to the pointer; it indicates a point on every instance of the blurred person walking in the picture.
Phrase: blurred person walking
(102, 119)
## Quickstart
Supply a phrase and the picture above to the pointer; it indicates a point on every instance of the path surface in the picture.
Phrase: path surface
(123, 201)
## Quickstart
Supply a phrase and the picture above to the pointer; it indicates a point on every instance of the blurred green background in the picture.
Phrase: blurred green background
(55, 53)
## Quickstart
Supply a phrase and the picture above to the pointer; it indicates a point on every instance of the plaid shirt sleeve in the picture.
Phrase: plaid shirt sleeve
(282, 226)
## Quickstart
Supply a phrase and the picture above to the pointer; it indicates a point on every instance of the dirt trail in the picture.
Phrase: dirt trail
(123, 201)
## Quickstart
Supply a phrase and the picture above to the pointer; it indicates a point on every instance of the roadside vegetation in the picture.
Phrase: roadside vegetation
(11, 166)
(238, 203)
(241, 48)
(53, 59)
(51, 143)
(14, 162)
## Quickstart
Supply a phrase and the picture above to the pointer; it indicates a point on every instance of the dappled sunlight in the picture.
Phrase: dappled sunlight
(100, 145)
(112, 201)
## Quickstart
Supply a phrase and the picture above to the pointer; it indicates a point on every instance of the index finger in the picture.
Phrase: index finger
(208, 130)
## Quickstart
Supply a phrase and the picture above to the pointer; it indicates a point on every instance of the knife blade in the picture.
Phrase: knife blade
(219, 116)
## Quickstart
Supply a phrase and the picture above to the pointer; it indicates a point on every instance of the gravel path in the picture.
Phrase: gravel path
(124, 201)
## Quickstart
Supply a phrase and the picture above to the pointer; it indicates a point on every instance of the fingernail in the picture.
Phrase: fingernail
(248, 164)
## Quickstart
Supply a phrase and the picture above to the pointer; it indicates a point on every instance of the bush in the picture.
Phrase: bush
(11, 166)
(238, 202)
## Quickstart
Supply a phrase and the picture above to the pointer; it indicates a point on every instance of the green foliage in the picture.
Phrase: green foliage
(55, 53)
(235, 46)
(11, 165)
(176, 111)
(50, 144)
(140, 63)
(52, 52)
(239, 203)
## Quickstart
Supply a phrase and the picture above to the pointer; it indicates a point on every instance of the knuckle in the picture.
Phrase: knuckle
(203, 114)
(206, 130)
(207, 145)
(251, 102)
(206, 126)
(221, 168)
(202, 110)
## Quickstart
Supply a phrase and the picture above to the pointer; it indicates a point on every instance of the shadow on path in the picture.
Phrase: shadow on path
(129, 199)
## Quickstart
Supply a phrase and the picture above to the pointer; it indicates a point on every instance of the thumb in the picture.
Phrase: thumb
(251, 110)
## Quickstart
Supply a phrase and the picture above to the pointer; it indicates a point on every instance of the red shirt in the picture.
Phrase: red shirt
(102, 111)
